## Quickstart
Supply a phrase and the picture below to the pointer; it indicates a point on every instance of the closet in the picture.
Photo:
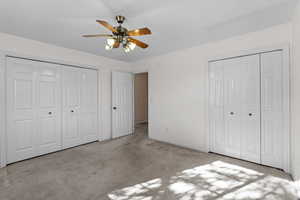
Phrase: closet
(247, 108)
(50, 107)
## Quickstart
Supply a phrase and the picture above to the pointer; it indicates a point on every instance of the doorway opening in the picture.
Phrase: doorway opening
(141, 103)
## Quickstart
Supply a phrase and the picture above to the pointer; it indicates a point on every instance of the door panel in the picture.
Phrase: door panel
(21, 131)
(216, 112)
(48, 108)
(232, 106)
(272, 109)
(88, 106)
(23, 91)
(122, 101)
(71, 106)
(250, 108)
(24, 137)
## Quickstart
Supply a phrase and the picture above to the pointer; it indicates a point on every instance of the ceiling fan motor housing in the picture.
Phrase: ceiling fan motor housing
(120, 19)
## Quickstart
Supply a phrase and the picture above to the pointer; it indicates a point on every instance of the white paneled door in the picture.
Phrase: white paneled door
(235, 107)
(48, 104)
(250, 108)
(88, 105)
(232, 107)
(50, 107)
(71, 78)
(122, 104)
(80, 105)
(216, 108)
(272, 109)
(21, 101)
(33, 109)
(246, 108)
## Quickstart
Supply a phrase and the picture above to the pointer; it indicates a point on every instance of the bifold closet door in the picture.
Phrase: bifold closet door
(21, 110)
(250, 108)
(48, 107)
(273, 133)
(248, 102)
(39, 119)
(88, 105)
(242, 107)
(235, 107)
(122, 102)
(71, 78)
(33, 109)
(216, 107)
(80, 106)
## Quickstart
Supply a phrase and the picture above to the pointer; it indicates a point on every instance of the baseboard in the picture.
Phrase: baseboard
(296, 177)
(141, 122)
(202, 150)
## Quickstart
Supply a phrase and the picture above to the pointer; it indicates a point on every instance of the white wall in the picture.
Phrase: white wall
(178, 85)
(39, 49)
(295, 90)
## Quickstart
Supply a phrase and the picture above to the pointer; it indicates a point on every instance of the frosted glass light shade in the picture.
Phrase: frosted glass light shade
(108, 47)
(111, 41)
(131, 46)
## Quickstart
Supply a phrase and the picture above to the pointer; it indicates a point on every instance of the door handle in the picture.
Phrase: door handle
(250, 114)
(50, 113)
(72, 111)
(115, 108)
(231, 113)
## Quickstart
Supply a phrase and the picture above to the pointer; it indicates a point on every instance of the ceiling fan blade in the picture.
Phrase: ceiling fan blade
(138, 43)
(97, 35)
(107, 25)
(116, 44)
(139, 32)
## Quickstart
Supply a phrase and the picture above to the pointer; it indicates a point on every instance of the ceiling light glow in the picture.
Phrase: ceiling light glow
(111, 41)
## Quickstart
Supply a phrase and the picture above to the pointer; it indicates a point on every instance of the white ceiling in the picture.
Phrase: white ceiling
(176, 24)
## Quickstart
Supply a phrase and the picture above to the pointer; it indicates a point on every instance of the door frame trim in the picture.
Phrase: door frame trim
(3, 79)
(285, 48)
(134, 120)
(3, 110)
(148, 98)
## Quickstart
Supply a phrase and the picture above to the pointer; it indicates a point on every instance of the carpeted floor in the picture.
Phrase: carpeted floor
(137, 168)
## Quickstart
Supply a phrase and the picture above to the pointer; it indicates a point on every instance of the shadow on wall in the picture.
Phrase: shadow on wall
(218, 180)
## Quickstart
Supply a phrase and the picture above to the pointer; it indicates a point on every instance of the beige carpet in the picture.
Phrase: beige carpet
(137, 168)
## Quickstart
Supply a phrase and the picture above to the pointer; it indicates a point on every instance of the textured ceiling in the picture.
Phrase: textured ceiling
(176, 24)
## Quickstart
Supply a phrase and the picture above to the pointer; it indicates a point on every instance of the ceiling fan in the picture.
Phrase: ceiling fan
(122, 36)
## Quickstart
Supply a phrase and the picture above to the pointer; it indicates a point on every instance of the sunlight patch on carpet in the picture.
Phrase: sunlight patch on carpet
(218, 180)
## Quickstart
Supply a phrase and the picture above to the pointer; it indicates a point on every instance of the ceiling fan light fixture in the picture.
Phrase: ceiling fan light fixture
(111, 41)
(131, 46)
(126, 49)
(121, 36)
(108, 47)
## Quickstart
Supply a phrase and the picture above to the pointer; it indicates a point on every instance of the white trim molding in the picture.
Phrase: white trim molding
(2, 111)
(287, 108)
